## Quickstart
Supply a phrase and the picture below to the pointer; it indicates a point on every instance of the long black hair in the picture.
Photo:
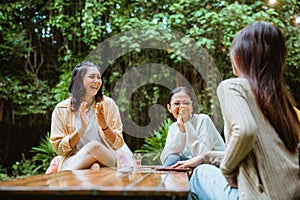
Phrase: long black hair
(76, 87)
(258, 52)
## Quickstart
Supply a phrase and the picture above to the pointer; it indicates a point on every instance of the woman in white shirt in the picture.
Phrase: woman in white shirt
(192, 134)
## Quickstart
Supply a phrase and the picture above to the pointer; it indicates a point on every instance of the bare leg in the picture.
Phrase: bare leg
(92, 152)
(95, 166)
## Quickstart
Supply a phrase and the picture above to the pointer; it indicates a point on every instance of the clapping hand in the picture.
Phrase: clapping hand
(83, 114)
(100, 115)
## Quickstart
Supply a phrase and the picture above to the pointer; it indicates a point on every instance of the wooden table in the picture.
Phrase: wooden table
(104, 184)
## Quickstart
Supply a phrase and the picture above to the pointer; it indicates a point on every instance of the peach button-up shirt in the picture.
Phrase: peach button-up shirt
(63, 124)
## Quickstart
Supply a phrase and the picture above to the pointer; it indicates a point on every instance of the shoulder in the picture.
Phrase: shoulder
(173, 126)
(109, 103)
(64, 104)
(231, 82)
(108, 100)
(62, 108)
(200, 118)
(238, 84)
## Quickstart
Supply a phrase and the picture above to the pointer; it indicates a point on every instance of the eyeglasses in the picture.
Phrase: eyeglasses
(178, 103)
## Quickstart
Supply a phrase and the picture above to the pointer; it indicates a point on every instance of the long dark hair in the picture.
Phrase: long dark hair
(76, 87)
(258, 52)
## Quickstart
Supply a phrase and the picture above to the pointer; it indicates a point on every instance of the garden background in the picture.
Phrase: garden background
(41, 41)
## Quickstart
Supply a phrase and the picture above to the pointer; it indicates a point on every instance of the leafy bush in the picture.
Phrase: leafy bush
(3, 174)
(25, 167)
(38, 164)
(44, 154)
(153, 146)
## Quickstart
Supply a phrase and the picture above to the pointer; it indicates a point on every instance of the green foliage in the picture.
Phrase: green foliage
(60, 33)
(3, 174)
(153, 146)
(44, 153)
(61, 89)
(26, 98)
(38, 164)
(14, 42)
(26, 167)
(41, 41)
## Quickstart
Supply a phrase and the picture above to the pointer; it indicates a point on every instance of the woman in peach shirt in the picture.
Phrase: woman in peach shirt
(86, 128)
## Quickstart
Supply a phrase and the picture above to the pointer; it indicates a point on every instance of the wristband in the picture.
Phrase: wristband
(105, 128)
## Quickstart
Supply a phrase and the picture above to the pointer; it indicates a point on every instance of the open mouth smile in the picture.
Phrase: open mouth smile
(94, 87)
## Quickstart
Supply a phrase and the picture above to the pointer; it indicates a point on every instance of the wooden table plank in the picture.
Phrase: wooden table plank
(107, 182)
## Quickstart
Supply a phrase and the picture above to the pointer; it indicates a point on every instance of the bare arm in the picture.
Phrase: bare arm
(213, 157)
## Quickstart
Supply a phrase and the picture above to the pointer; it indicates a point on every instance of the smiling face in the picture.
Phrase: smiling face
(180, 100)
(92, 81)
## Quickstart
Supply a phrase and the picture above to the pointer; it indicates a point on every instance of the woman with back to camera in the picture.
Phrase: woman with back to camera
(86, 128)
(260, 160)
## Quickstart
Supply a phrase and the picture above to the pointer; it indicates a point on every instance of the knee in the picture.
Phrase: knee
(171, 159)
(204, 171)
(204, 167)
(173, 156)
(93, 146)
(209, 172)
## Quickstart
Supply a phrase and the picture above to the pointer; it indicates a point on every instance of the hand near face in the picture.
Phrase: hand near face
(100, 115)
(184, 113)
(183, 117)
(83, 114)
(180, 123)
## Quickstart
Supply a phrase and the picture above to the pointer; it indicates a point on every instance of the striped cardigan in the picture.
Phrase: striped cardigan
(254, 151)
